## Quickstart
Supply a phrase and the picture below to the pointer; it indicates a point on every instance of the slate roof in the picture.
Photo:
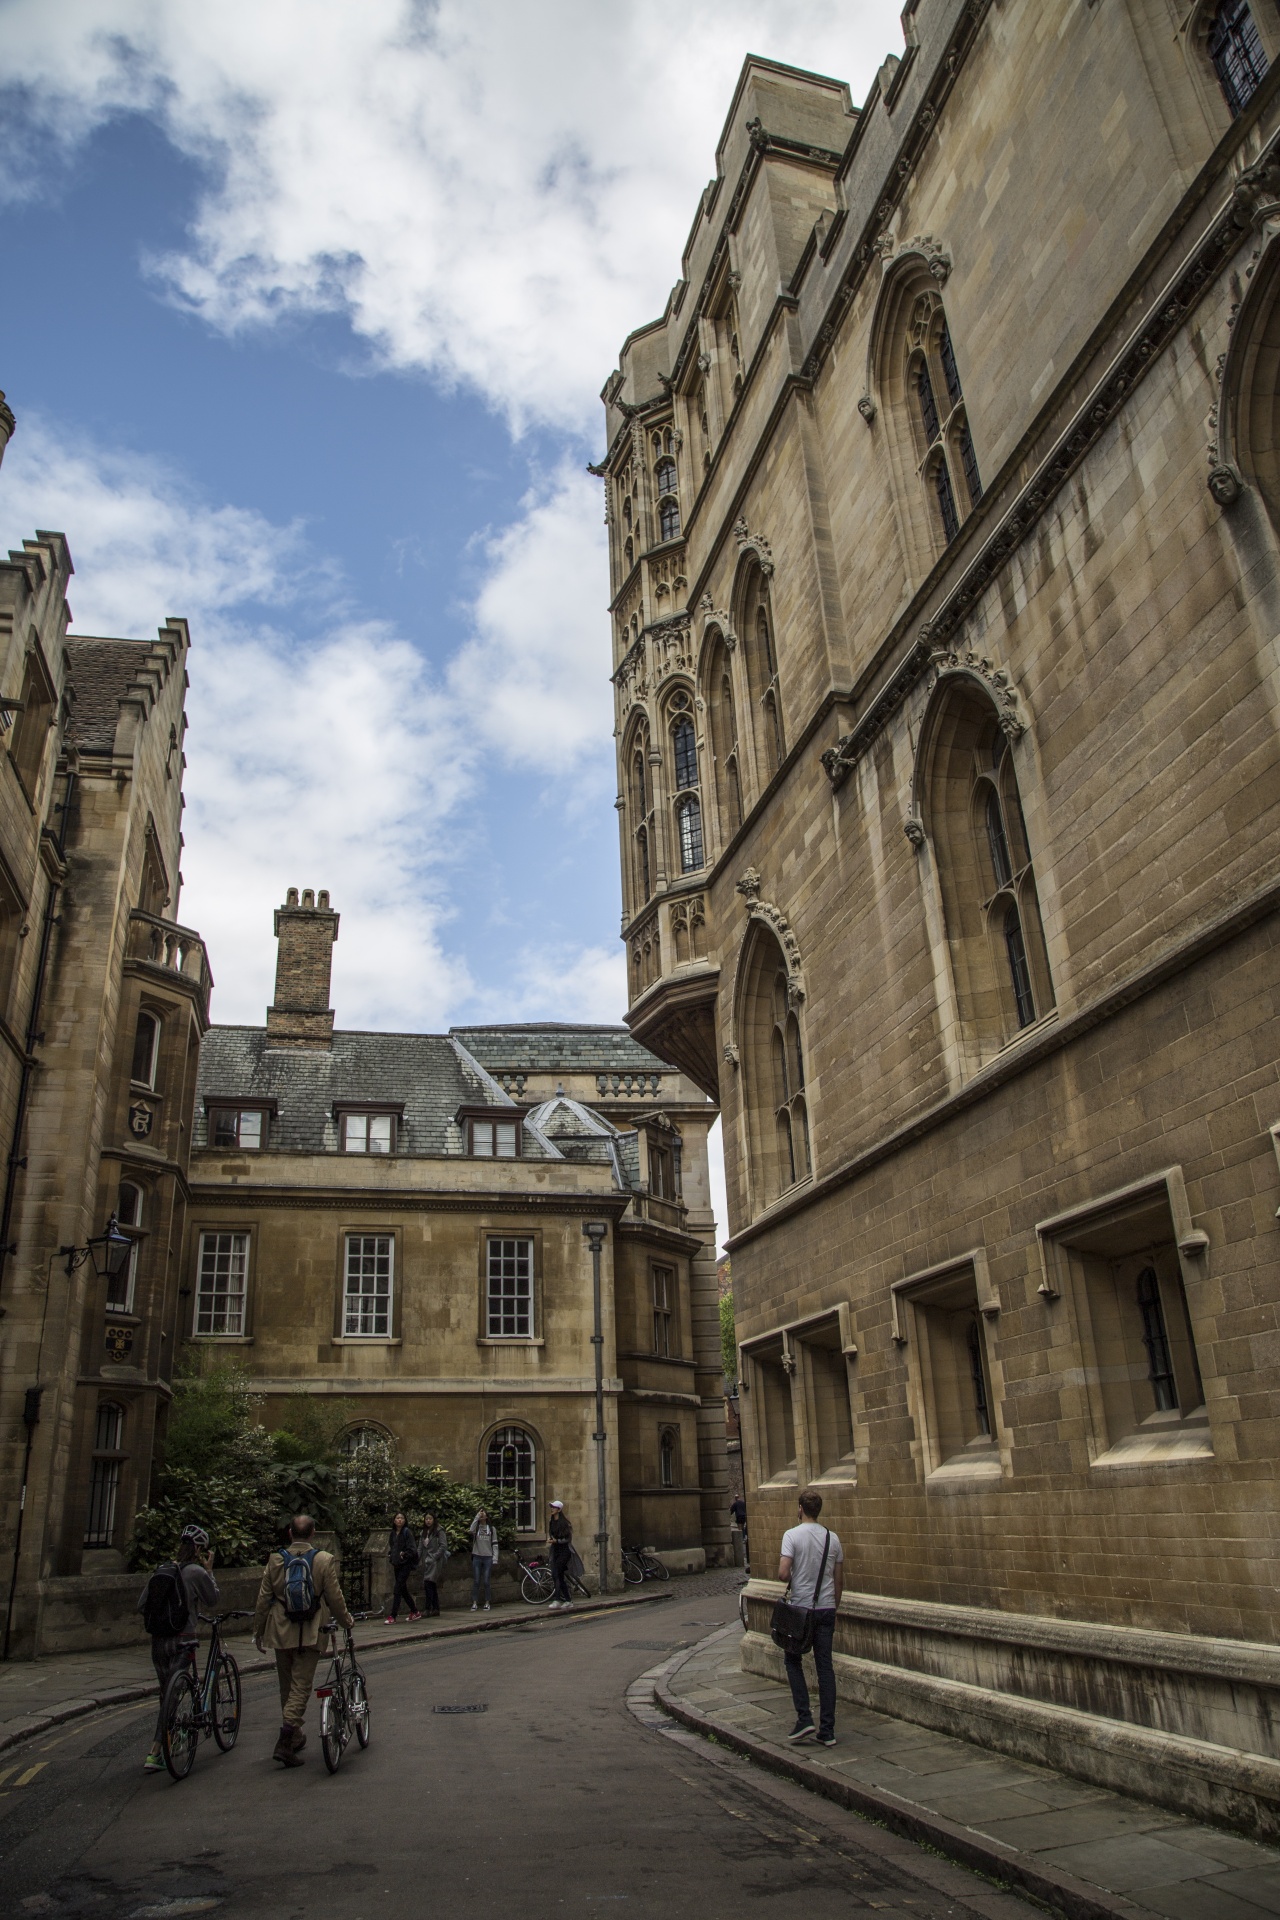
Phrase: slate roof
(100, 671)
(558, 1047)
(583, 1134)
(429, 1074)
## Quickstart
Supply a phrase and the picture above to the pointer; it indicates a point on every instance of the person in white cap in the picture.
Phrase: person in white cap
(561, 1532)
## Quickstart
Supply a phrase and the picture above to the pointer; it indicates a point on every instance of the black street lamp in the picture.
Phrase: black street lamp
(597, 1232)
(109, 1253)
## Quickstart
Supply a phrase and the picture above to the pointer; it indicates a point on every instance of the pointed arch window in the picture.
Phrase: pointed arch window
(641, 804)
(689, 827)
(688, 803)
(722, 739)
(685, 752)
(763, 684)
(665, 482)
(774, 1072)
(948, 462)
(1239, 58)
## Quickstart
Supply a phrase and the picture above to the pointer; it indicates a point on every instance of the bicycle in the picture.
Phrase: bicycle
(537, 1584)
(190, 1711)
(344, 1700)
(640, 1564)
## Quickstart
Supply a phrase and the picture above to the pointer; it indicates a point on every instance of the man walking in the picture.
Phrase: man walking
(561, 1532)
(813, 1562)
(299, 1593)
(738, 1514)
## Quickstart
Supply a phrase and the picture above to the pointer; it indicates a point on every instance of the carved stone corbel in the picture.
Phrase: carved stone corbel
(867, 408)
(755, 543)
(914, 830)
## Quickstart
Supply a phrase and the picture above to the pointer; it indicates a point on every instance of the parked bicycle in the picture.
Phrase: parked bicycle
(537, 1583)
(193, 1709)
(640, 1564)
(344, 1699)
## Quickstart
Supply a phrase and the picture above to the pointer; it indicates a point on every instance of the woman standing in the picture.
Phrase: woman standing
(434, 1551)
(402, 1551)
(561, 1531)
(484, 1551)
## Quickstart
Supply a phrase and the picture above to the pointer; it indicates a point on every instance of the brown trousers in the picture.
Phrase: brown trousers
(295, 1670)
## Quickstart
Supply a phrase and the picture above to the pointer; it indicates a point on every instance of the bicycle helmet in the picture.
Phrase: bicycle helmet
(197, 1537)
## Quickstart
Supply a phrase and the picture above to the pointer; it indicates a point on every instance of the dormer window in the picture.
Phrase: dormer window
(495, 1139)
(368, 1132)
(244, 1128)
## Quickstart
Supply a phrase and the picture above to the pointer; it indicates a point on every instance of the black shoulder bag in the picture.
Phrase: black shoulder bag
(791, 1627)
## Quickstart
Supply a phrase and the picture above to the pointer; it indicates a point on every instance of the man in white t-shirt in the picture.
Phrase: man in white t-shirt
(802, 1564)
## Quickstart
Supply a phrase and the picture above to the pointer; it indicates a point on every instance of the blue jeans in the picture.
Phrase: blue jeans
(824, 1630)
(481, 1578)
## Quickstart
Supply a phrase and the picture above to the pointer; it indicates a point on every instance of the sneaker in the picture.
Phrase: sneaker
(802, 1730)
(827, 1740)
(553, 1606)
(474, 1607)
(566, 1606)
(391, 1619)
(154, 1763)
(486, 1606)
(415, 1616)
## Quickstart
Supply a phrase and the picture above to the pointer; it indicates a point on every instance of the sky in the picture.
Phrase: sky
(308, 305)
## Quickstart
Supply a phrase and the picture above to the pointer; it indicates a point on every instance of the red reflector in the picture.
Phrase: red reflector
(324, 1693)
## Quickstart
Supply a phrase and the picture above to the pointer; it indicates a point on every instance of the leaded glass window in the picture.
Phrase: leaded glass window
(367, 1295)
(509, 1311)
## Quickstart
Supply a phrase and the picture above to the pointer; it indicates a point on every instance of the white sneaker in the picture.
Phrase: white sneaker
(474, 1607)
(486, 1606)
(552, 1606)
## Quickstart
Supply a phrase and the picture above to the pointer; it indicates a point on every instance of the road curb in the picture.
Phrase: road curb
(146, 1690)
(1062, 1892)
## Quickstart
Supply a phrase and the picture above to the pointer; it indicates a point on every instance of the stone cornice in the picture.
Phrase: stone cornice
(389, 1200)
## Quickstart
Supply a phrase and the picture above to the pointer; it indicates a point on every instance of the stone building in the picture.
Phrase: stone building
(943, 507)
(103, 997)
(401, 1220)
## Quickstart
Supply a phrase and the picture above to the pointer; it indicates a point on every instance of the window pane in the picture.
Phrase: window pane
(668, 520)
(355, 1132)
(220, 1292)
(120, 1290)
(997, 841)
(144, 1049)
(1155, 1338)
(251, 1129)
(1018, 968)
(946, 353)
(103, 1489)
(367, 1305)
(223, 1128)
(946, 500)
(689, 818)
(129, 1205)
(927, 404)
(969, 461)
(510, 1467)
(1237, 54)
(109, 1430)
(380, 1132)
(482, 1138)
(686, 754)
(510, 1289)
(505, 1130)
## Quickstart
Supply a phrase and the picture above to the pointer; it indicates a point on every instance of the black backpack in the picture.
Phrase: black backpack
(165, 1608)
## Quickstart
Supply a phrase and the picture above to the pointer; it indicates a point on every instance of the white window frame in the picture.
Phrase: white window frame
(368, 1315)
(357, 1132)
(157, 1028)
(125, 1283)
(486, 1143)
(514, 1306)
(206, 1268)
(239, 1115)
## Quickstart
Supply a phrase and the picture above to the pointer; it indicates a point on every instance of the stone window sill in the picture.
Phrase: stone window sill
(225, 1339)
(1159, 1446)
(979, 1467)
(366, 1340)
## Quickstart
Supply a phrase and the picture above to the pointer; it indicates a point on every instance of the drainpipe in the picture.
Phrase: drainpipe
(597, 1232)
(31, 1420)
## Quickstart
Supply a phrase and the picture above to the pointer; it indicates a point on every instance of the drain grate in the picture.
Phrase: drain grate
(648, 1646)
(459, 1709)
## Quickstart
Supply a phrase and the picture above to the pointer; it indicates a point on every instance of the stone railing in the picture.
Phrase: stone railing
(162, 943)
(613, 1085)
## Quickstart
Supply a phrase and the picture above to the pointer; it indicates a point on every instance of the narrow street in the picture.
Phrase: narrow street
(552, 1799)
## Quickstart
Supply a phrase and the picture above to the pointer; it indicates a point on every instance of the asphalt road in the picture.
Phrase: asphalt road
(553, 1800)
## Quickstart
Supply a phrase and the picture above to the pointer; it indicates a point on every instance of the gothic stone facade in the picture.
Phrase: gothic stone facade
(944, 505)
(103, 998)
(398, 1220)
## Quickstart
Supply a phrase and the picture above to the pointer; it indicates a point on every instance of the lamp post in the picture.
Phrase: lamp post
(597, 1232)
(109, 1252)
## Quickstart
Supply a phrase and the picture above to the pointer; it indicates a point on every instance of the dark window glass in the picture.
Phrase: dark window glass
(979, 1378)
(104, 1483)
(946, 501)
(510, 1466)
(686, 753)
(969, 461)
(928, 406)
(666, 476)
(640, 785)
(998, 841)
(1019, 971)
(1237, 53)
(689, 819)
(1155, 1338)
(663, 1289)
(144, 1049)
(950, 373)
(669, 520)
(642, 841)
(667, 1458)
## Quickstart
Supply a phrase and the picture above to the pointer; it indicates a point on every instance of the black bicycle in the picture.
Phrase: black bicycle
(192, 1709)
(640, 1564)
(537, 1583)
(344, 1701)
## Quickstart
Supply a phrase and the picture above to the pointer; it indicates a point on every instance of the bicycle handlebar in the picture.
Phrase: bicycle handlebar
(232, 1613)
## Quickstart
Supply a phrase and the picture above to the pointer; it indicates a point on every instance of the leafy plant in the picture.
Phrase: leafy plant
(454, 1503)
(217, 1472)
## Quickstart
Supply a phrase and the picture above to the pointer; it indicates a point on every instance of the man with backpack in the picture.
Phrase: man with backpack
(299, 1592)
(170, 1606)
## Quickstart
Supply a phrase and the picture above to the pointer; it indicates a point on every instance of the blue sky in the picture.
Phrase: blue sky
(308, 307)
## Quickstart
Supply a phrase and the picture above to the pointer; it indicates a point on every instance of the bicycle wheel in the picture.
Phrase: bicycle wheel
(654, 1568)
(360, 1707)
(536, 1585)
(632, 1570)
(226, 1702)
(578, 1586)
(180, 1724)
(335, 1729)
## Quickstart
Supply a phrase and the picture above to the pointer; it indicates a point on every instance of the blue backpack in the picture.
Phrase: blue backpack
(301, 1600)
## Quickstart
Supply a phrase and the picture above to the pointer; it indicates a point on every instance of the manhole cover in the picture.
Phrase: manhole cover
(459, 1709)
(648, 1646)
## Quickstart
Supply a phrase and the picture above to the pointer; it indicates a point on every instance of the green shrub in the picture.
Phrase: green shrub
(422, 1490)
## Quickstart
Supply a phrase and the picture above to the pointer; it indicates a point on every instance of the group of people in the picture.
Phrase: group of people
(426, 1551)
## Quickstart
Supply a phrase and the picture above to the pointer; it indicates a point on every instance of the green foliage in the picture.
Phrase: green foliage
(218, 1471)
(728, 1337)
(364, 1495)
(454, 1503)
(311, 1428)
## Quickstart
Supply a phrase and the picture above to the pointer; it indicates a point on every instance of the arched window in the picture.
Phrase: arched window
(722, 731)
(773, 1071)
(664, 477)
(687, 803)
(669, 1457)
(104, 1478)
(689, 833)
(1239, 58)
(641, 806)
(947, 459)
(685, 752)
(510, 1466)
(989, 902)
(120, 1291)
(146, 1048)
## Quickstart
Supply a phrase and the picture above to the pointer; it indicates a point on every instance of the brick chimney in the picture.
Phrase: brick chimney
(301, 1016)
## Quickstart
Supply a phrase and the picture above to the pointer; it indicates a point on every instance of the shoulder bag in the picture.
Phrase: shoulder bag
(791, 1627)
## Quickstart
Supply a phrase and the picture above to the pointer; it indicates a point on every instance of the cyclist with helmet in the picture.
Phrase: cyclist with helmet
(170, 1606)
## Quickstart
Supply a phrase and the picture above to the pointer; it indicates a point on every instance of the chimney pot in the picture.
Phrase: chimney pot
(322, 899)
(308, 897)
(300, 1016)
(291, 898)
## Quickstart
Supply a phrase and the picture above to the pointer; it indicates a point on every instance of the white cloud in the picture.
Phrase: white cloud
(496, 194)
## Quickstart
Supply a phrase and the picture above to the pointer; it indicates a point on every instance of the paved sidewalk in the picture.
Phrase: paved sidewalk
(35, 1694)
(1079, 1848)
